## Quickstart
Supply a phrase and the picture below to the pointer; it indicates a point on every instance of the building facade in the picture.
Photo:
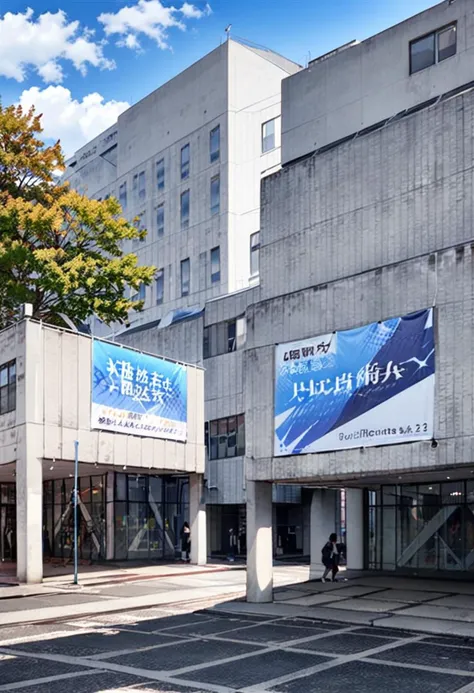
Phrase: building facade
(139, 481)
(186, 162)
(368, 228)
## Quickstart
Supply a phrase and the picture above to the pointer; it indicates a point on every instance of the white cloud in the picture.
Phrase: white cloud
(26, 42)
(149, 18)
(73, 122)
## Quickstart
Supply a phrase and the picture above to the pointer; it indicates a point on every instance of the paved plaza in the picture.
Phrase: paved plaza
(153, 650)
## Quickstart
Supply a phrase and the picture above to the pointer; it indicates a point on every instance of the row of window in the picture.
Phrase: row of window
(185, 285)
(224, 337)
(185, 278)
(268, 142)
(8, 387)
(139, 179)
(185, 208)
(433, 48)
(225, 437)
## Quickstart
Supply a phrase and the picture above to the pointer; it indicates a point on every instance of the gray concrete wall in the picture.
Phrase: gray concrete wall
(370, 230)
(385, 197)
(361, 85)
(13, 347)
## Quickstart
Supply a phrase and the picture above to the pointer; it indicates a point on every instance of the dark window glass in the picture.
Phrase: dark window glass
(213, 440)
(215, 265)
(222, 446)
(446, 43)
(206, 352)
(160, 286)
(215, 194)
(160, 174)
(215, 144)
(185, 157)
(232, 436)
(231, 335)
(8, 387)
(141, 185)
(160, 220)
(221, 329)
(241, 434)
(254, 254)
(123, 195)
(185, 204)
(185, 277)
(422, 53)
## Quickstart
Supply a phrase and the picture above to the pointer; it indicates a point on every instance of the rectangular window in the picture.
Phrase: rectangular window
(215, 265)
(215, 144)
(224, 337)
(185, 204)
(160, 286)
(160, 174)
(160, 220)
(226, 437)
(215, 194)
(185, 155)
(123, 196)
(185, 277)
(254, 254)
(433, 48)
(268, 136)
(8, 387)
(135, 186)
(141, 185)
(142, 292)
(140, 225)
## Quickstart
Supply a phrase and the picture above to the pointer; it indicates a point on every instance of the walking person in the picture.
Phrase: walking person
(185, 542)
(330, 558)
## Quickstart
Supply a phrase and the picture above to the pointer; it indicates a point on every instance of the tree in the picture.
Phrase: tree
(59, 250)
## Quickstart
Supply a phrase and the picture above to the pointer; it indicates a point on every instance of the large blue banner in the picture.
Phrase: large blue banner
(137, 394)
(373, 385)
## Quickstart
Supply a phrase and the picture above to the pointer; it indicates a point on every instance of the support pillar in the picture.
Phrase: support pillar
(355, 528)
(259, 542)
(323, 523)
(197, 516)
(29, 514)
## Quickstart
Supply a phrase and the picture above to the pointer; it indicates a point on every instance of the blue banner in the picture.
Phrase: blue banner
(137, 394)
(373, 385)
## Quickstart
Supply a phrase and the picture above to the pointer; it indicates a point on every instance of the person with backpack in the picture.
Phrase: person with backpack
(330, 558)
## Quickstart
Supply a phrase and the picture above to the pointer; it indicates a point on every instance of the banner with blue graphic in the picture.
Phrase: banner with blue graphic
(137, 394)
(373, 385)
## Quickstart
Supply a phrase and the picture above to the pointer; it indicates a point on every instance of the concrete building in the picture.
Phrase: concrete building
(370, 220)
(135, 490)
(188, 161)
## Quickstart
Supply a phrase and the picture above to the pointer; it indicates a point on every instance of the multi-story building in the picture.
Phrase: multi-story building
(186, 162)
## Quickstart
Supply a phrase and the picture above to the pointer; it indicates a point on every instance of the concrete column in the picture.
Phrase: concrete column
(29, 512)
(110, 538)
(323, 523)
(197, 517)
(259, 542)
(355, 528)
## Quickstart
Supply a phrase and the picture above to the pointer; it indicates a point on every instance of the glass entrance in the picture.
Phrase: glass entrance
(422, 527)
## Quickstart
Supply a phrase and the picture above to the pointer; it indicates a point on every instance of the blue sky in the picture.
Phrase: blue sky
(82, 67)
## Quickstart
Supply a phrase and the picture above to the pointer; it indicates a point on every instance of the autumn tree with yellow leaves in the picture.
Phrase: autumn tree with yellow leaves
(59, 250)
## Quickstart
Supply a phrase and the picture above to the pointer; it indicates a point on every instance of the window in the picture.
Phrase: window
(8, 387)
(185, 162)
(160, 174)
(160, 286)
(160, 220)
(254, 254)
(215, 144)
(226, 437)
(268, 136)
(140, 225)
(142, 292)
(433, 48)
(215, 265)
(141, 185)
(224, 337)
(215, 194)
(185, 209)
(185, 277)
(123, 195)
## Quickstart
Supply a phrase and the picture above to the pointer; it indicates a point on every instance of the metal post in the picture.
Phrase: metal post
(76, 498)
